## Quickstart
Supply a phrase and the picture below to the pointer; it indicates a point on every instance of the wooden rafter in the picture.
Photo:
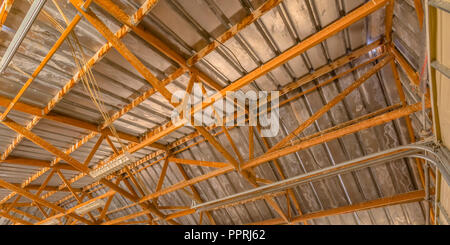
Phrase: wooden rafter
(4, 11)
(49, 55)
(383, 111)
(296, 50)
(330, 104)
(33, 110)
(383, 118)
(39, 200)
(35, 163)
(137, 17)
(133, 60)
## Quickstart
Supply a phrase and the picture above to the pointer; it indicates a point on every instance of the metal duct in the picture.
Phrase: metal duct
(412, 150)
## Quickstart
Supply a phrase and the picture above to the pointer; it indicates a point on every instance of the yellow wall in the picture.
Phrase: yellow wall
(443, 94)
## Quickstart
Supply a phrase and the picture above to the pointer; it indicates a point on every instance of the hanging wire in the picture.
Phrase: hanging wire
(87, 77)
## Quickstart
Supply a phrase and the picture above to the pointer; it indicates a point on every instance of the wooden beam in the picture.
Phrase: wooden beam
(248, 175)
(111, 144)
(198, 162)
(51, 188)
(36, 163)
(30, 216)
(414, 196)
(61, 176)
(341, 61)
(47, 58)
(410, 72)
(218, 146)
(47, 146)
(39, 207)
(134, 180)
(402, 112)
(130, 187)
(162, 176)
(44, 144)
(419, 11)
(21, 204)
(412, 137)
(264, 8)
(39, 200)
(121, 33)
(94, 150)
(389, 20)
(74, 208)
(277, 165)
(143, 206)
(233, 145)
(122, 49)
(14, 218)
(45, 183)
(105, 208)
(32, 110)
(195, 194)
(298, 49)
(384, 118)
(70, 150)
(302, 81)
(126, 217)
(120, 15)
(137, 17)
(331, 104)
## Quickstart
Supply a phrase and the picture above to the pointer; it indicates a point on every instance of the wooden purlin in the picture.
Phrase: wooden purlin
(305, 80)
(33, 110)
(304, 144)
(214, 100)
(310, 42)
(119, 14)
(386, 117)
(122, 49)
(136, 18)
(139, 66)
(414, 196)
(102, 51)
(35, 163)
(54, 162)
(46, 59)
(4, 11)
(410, 72)
(72, 161)
(39, 200)
(331, 104)
(14, 218)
